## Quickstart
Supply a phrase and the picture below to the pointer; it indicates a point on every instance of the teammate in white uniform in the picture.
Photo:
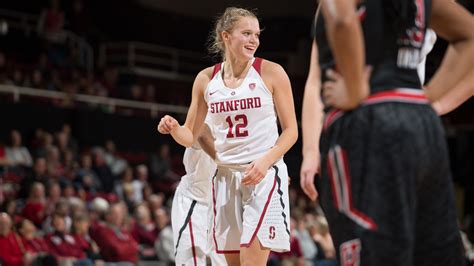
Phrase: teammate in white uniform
(242, 98)
(190, 211)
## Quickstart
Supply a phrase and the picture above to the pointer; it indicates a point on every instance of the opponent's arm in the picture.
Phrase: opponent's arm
(312, 120)
(453, 23)
(347, 44)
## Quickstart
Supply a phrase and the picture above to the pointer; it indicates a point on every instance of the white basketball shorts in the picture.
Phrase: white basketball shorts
(243, 213)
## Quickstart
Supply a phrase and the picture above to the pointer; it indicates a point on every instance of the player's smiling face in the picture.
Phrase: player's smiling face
(243, 40)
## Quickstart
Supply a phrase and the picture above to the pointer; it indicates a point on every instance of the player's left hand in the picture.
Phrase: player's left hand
(255, 172)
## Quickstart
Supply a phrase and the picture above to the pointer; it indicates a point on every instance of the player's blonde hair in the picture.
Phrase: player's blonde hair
(226, 22)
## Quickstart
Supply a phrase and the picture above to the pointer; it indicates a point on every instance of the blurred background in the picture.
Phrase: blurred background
(82, 86)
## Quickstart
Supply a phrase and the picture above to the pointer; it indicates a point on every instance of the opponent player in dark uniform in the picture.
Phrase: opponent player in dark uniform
(385, 185)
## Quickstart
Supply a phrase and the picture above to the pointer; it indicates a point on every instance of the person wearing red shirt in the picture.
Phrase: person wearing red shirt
(115, 244)
(12, 251)
(63, 245)
(34, 209)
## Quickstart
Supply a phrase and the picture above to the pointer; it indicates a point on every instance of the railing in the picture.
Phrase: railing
(164, 62)
(28, 23)
(153, 60)
(111, 103)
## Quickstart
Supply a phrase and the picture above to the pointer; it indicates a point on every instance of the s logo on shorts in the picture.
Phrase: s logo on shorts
(272, 232)
(350, 252)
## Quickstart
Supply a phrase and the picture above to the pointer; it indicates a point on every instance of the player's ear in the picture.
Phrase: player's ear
(225, 36)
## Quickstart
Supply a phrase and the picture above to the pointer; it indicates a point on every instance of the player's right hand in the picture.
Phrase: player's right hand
(309, 169)
(167, 124)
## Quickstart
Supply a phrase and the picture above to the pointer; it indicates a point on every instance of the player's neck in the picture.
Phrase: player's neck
(234, 68)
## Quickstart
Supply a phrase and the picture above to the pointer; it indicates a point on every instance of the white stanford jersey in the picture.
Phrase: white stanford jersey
(200, 168)
(243, 119)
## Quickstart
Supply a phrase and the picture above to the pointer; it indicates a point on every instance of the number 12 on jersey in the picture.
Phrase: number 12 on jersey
(240, 122)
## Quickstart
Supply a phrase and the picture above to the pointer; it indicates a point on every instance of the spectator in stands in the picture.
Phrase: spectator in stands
(160, 166)
(70, 164)
(53, 196)
(113, 159)
(156, 202)
(9, 207)
(39, 175)
(140, 182)
(86, 177)
(145, 231)
(35, 244)
(103, 171)
(45, 143)
(115, 244)
(164, 244)
(97, 211)
(70, 140)
(51, 22)
(80, 231)
(64, 246)
(125, 179)
(308, 247)
(56, 169)
(61, 209)
(326, 252)
(35, 207)
(12, 252)
(18, 155)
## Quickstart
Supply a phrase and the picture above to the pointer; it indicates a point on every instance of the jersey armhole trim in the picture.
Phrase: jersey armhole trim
(257, 65)
(217, 68)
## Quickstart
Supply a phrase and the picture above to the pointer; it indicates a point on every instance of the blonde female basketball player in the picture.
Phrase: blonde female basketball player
(243, 96)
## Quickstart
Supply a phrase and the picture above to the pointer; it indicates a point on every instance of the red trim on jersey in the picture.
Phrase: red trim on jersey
(362, 13)
(217, 67)
(192, 241)
(214, 223)
(257, 64)
(261, 216)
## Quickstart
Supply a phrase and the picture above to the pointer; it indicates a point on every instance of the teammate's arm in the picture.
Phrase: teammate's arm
(276, 79)
(346, 41)
(187, 134)
(312, 119)
(452, 22)
(206, 140)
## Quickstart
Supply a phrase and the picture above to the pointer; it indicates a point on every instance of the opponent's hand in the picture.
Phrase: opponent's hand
(255, 172)
(309, 169)
(335, 92)
(167, 124)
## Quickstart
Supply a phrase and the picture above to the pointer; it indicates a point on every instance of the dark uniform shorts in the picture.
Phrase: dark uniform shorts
(386, 187)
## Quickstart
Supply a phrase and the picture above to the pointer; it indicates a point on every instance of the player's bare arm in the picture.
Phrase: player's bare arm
(187, 134)
(343, 27)
(278, 82)
(312, 119)
(206, 140)
(453, 23)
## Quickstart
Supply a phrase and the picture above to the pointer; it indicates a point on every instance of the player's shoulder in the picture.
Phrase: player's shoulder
(206, 73)
(271, 69)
